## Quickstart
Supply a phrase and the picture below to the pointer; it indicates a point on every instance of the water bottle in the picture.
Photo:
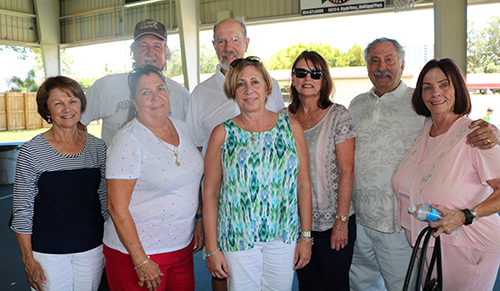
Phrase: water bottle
(425, 213)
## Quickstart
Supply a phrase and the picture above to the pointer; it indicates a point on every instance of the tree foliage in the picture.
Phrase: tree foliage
(34, 76)
(483, 47)
(174, 66)
(283, 59)
(86, 82)
(208, 61)
(22, 52)
(28, 84)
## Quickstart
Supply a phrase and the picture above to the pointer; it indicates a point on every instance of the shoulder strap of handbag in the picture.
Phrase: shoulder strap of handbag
(423, 253)
(427, 232)
(436, 284)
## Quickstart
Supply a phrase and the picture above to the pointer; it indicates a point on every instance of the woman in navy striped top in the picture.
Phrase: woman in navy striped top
(60, 195)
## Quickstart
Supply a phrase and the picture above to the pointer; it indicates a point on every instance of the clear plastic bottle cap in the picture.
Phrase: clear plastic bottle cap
(412, 208)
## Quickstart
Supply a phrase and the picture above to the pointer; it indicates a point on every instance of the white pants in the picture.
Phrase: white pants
(268, 266)
(380, 260)
(76, 271)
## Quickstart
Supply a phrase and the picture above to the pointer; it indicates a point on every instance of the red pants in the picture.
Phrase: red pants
(176, 266)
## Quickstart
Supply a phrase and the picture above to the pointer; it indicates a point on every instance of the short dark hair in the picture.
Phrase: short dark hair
(452, 71)
(62, 83)
(327, 87)
(234, 74)
(136, 74)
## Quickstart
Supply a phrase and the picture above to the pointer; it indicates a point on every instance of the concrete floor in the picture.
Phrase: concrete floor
(12, 271)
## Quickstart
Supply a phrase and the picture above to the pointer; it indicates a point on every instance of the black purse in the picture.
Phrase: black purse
(434, 284)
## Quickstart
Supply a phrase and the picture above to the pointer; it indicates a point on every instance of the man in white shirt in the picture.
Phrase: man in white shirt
(387, 128)
(209, 106)
(109, 97)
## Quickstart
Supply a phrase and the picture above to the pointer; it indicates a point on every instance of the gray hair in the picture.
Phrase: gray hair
(399, 48)
(241, 20)
(168, 55)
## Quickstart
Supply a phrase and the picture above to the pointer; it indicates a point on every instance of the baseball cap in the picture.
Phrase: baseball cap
(150, 26)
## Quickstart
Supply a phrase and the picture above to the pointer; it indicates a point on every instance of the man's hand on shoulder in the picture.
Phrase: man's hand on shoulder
(485, 136)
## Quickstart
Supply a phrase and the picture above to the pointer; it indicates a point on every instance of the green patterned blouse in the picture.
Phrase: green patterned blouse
(258, 200)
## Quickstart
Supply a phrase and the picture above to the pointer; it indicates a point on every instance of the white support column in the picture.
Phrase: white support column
(47, 18)
(189, 38)
(450, 31)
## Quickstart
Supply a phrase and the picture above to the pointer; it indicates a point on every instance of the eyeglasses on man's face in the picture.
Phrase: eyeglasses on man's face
(302, 73)
(222, 42)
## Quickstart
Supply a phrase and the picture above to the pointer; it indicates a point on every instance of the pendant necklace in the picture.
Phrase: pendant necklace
(252, 138)
(302, 124)
(173, 153)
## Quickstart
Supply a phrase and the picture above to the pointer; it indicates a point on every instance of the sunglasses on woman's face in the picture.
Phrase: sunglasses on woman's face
(302, 73)
(238, 61)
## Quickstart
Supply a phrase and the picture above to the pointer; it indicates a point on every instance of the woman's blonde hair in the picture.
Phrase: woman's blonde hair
(234, 74)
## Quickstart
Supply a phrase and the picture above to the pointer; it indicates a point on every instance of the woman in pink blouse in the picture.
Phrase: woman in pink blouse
(460, 181)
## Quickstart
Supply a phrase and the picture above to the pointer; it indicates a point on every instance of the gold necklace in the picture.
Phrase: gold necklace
(252, 138)
(173, 152)
(302, 124)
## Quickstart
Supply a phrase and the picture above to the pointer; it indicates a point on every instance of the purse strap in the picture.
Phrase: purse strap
(413, 258)
(421, 262)
(436, 257)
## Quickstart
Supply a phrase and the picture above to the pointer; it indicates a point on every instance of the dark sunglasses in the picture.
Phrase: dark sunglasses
(302, 73)
(236, 62)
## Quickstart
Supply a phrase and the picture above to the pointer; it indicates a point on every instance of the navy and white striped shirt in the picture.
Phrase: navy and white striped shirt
(37, 157)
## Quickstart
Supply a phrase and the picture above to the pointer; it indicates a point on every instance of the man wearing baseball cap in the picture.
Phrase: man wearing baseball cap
(109, 97)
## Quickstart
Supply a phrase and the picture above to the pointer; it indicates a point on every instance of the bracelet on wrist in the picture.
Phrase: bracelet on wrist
(216, 250)
(474, 215)
(342, 218)
(199, 215)
(142, 264)
(307, 239)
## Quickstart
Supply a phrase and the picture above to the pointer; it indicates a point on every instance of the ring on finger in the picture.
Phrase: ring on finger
(488, 141)
(149, 286)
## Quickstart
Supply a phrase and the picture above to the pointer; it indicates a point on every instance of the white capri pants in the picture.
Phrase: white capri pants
(268, 266)
(76, 271)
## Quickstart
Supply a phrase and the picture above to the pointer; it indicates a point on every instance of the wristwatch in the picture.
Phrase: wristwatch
(342, 217)
(305, 234)
(469, 217)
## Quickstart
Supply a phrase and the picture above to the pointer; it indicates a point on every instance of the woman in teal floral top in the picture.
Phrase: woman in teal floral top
(257, 189)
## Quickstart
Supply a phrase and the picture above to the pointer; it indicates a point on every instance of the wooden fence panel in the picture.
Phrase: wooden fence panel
(19, 111)
(33, 119)
(15, 111)
(3, 113)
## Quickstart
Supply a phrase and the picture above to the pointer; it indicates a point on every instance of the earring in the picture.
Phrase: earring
(49, 120)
